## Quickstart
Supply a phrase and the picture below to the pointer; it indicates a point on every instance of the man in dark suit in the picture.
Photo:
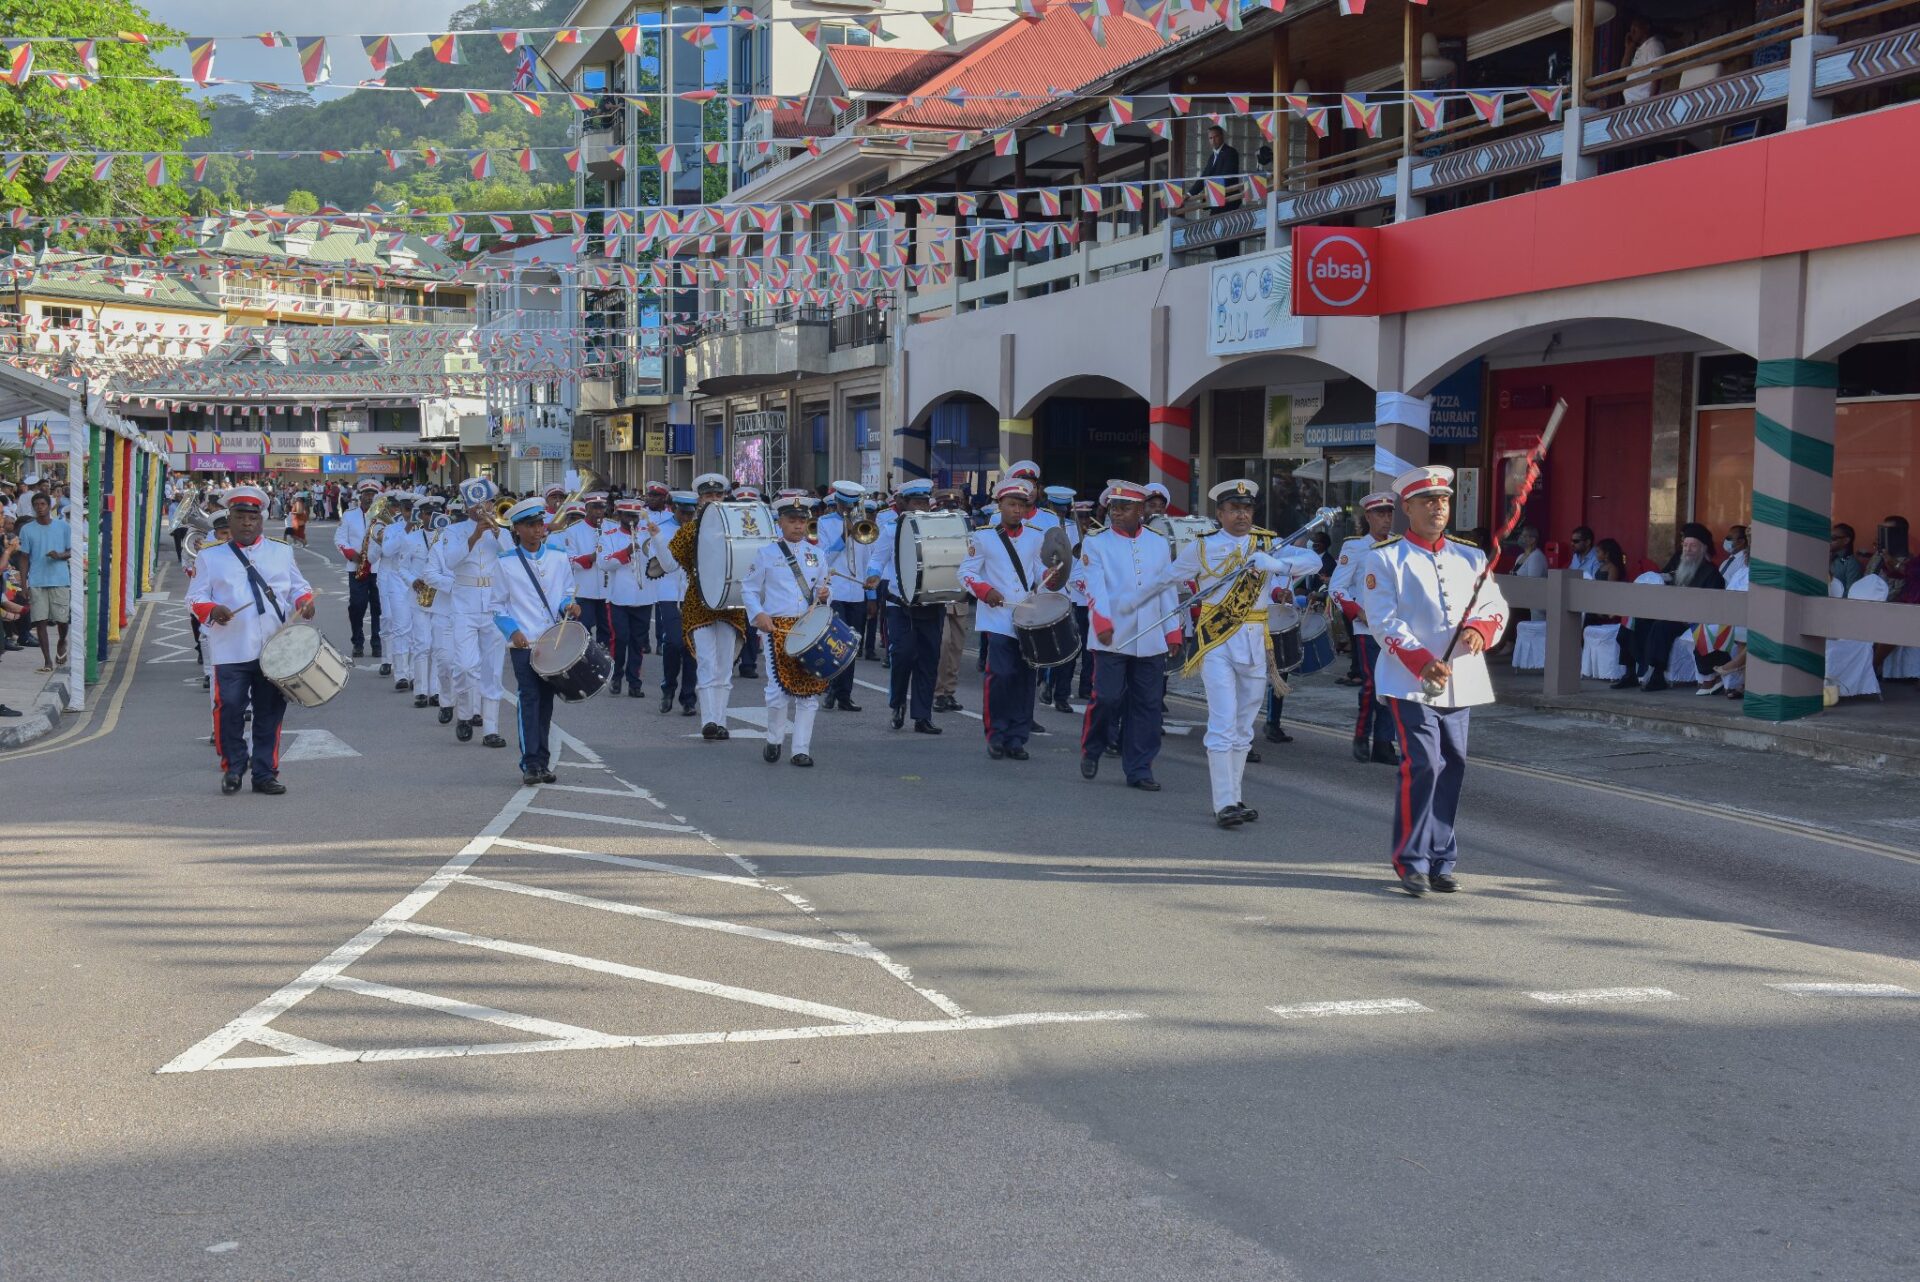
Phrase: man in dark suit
(1223, 162)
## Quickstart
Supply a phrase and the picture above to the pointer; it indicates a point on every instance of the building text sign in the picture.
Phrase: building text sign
(1336, 271)
(1251, 306)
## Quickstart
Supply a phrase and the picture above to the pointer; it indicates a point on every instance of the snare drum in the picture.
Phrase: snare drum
(730, 536)
(821, 642)
(304, 664)
(1283, 625)
(927, 556)
(570, 661)
(1316, 643)
(1044, 626)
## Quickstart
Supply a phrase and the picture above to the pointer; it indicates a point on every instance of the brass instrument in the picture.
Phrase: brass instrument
(567, 520)
(375, 515)
(864, 531)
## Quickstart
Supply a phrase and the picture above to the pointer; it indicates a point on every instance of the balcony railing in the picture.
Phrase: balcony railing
(858, 329)
(356, 309)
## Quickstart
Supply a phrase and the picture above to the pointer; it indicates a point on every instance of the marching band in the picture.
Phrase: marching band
(570, 602)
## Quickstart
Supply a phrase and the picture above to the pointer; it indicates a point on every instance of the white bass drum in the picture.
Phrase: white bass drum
(927, 556)
(730, 536)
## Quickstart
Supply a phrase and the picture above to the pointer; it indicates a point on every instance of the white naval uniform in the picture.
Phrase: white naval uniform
(220, 579)
(351, 533)
(1344, 587)
(1234, 672)
(1415, 596)
(589, 580)
(769, 588)
(672, 586)
(845, 557)
(432, 662)
(617, 556)
(479, 650)
(394, 577)
(987, 565)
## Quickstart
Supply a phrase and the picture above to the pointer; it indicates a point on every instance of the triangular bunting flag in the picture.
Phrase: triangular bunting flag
(316, 65)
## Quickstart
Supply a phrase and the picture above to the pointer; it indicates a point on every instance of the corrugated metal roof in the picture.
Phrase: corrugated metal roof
(1053, 54)
(868, 69)
(82, 279)
(330, 246)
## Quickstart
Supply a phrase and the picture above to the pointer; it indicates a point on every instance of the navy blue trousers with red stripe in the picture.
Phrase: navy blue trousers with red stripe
(235, 687)
(1433, 765)
(599, 620)
(631, 624)
(1375, 723)
(1125, 709)
(1006, 698)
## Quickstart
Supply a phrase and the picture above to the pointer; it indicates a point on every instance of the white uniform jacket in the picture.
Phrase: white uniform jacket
(770, 588)
(1207, 562)
(516, 605)
(617, 557)
(1123, 580)
(430, 572)
(1415, 595)
(581, 544)
(466, 572)
(672, 587)
(1345, 587)
(219, 579)
(846, 556)
(350, 534)
(1042, 520)
(988, 566)
(882, 563)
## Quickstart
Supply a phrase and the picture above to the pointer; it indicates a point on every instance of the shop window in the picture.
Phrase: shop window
(1876, 464)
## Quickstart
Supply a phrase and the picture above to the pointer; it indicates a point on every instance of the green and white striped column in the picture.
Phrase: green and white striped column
(1792, 517)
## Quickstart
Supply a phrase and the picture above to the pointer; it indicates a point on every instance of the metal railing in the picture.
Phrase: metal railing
(361, 309)
(858, 329)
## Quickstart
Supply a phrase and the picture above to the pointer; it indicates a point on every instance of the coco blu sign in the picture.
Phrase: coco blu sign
(1251, 308)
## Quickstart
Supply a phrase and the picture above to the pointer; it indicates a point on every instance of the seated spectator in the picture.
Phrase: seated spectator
(1723, 670)
(1532, 563)
(1586, 558)
(1690, 567)
(1842, 565)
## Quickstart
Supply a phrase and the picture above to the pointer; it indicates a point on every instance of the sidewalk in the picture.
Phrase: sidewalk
(41, 697)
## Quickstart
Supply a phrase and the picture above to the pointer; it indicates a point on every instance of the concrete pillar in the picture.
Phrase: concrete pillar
(1016, 434)
(1792, 502)
(1400, 427)
(1170, 453)
(1803, 108)
(1573, 165)
(912, 452)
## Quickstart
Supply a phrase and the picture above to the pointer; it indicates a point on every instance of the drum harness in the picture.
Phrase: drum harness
(259, 584)
(798, 682)
(535, 580)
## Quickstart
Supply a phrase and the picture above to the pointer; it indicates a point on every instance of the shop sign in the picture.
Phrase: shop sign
(339, 465)
(583, 451)
(1336, 271)
(1339, 435)
(656, 441)
(1251, 307)
(1289, 410)
(620, 432)
(378, 466)
(293, 462)
(1457, 403)
(302, 443)
(223, 462)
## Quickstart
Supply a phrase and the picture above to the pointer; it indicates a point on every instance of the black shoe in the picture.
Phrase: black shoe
(1442, 882)
(1089, 767)
(722, 733)
(272, 787)
(1016, 754)
(802, 760)
(403, 684)
(1247, 813)
(687, 709)
(419, 700)
(926, 727)
(476, 721)
(1624, 683)
(613, 687)
(899, 716)
(1362, 750)
(494, 741)
(1113, 750)
(446, 715)
(1414, 884)
(1655, 683)
(1277, 735)
(1061, 705)
(205, 683)
(1253, 758)
(386, 669)
(434, 699)
(1386, 754)
(848, 705)
(5, 711)
(1038, 729)
(666, 704)
(1145, 785)
(636, 692)
(1229, 817)
(547, 776)
(945, 703)
(229, 784)
(531, 778)
(770, 753)
(376, 649)
(357, 651)
(996, 752)
(463, 731)
(709, 731)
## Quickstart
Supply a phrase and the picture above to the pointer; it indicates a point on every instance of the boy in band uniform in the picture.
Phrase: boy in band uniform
(788, 577)
(532, 589)
(1001, 569)
(1373, 732)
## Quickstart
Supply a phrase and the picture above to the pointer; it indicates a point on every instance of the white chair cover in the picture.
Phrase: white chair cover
(1902, 664)
(1600, 652)
(1850, 668)
(1530, 646)
(1681, 668)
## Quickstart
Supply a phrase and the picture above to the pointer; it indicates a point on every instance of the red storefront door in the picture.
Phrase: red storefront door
(1619, 460)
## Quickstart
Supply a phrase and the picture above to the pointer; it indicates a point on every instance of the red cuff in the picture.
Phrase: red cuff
(1417, 658)
(1098, 619)
(1280, 594)
(350, 555)
(1487, 628)
(582, 561)
(1351, 609)
(623, 556)
(980, 590)
(203, 610)
(1173, 639)
(301, 604)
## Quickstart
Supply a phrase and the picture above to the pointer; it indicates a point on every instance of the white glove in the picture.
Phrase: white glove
(1267, 563)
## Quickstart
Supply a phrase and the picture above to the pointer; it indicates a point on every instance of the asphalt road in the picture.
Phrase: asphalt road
(917, 1014)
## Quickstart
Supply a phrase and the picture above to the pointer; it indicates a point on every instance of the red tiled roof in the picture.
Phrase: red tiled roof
(790, 122)
(1030, 57)
(865, 69)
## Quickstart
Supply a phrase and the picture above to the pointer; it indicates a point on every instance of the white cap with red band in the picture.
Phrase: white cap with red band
(1423, 480)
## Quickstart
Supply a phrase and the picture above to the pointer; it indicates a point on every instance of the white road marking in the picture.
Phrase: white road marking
(578, 787)
(1845, 990)
(671, 918)
(274, 1039)
(868, 685)
(1598, 996)
(467, 1010)
(963, 1024)
(608, 819)
(1367, 1006)
(706, 987)
(629, 861)
(314, 745)
(756, 717)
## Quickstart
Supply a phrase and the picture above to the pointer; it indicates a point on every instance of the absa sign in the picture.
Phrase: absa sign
(1336, 271)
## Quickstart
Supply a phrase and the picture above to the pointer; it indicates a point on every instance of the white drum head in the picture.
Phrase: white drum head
(289, 651)
(1040, 610)
(559, 647)
(730, 534)
(810, 627)
(1314, 625)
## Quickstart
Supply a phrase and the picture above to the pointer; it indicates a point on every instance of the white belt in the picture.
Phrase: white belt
(466, 581)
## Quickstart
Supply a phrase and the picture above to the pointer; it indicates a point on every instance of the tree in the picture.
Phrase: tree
(115, 113)
(301, 202)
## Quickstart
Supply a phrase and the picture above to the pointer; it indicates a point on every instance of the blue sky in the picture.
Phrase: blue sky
(248, 60)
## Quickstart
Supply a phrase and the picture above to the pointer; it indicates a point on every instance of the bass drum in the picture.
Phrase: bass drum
(730, 536)
(1182, 530)
(304, 664)
(927, 556)
(1043, 624)
(1316, 643)
(1283, 625)
(568, 659)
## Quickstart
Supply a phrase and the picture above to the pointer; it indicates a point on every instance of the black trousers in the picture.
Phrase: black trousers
(535, 712)
(1006, 696)
(363, 595)
(1125, 710)
(630, 624)
(676, 661)
(750, 653)
(599, 621)
(913, 651)
(236, 687)
(854, 615)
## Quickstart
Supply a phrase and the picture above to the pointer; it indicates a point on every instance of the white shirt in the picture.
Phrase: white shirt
(351, 533)
(1123, 580)
(770, 587)
(220, 579)
(1735, 571)
(987, 565)
(1640, 88)
(516, 604)
(1416, 596)
(617, 556)
(467, 572)
(1532, 566)
(656, 547)
(883, 563)
(581, 540)
(1344, 587)
(403, 552)
(845, 556)
(432, 573)
(1587, 563)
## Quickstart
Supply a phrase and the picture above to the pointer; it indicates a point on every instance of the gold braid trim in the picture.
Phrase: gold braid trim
(1220, 619)
(793, 678)
(694, 610)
